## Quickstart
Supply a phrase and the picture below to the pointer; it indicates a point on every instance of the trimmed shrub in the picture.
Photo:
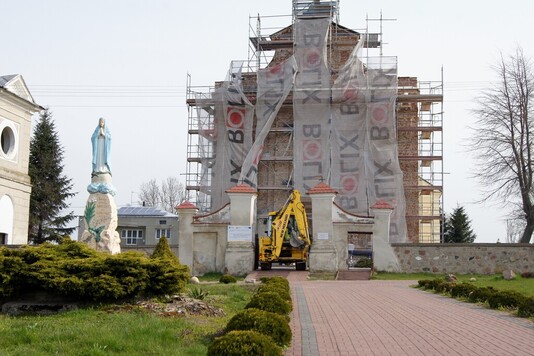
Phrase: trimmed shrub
(505, 299)
(226, 278)
(240, 342)
(481, 295)
(526, 308)
(270, 324)
(271, 302)
(277, 288)
(75, 270)
(444, 287)
(462, 290)
(275, 280)
(435, 283)
(424, 283)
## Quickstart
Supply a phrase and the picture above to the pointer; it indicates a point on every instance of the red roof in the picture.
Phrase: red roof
(382, 204)
(186, 205)
(241, 188)
(322, 188)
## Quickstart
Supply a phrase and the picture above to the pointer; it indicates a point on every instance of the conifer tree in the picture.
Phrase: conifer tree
(50, 187)
(457, 228)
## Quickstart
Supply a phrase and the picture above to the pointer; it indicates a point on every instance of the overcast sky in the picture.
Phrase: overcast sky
(127, 61)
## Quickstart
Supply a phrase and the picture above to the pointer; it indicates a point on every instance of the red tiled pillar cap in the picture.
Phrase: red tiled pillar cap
(322, 188)
(241, 188)
(382, 204)
(186, 205)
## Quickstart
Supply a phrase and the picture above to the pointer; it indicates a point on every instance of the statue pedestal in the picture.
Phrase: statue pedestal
(101, 223)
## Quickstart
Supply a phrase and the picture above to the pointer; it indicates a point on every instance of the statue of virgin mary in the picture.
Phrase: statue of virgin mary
(101, 140)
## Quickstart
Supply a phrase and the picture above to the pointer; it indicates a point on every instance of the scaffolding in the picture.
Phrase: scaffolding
(420, 138)
(419, 116)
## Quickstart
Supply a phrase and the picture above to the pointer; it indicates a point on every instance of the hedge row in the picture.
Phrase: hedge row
(263, 327)
(74, 270)
(493, 297)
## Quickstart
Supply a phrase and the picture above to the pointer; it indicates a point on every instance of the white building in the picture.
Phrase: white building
(16, 109)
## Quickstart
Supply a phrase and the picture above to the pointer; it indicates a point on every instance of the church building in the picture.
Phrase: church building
(16, 109)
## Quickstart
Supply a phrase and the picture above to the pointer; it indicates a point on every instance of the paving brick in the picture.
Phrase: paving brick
(391, 318)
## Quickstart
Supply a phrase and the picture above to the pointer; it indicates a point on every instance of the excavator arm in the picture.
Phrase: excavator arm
(290, 223)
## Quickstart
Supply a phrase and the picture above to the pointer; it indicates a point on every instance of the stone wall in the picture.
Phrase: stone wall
(478, 258)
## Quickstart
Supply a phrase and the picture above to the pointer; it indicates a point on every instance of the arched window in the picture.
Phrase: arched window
(6, 219)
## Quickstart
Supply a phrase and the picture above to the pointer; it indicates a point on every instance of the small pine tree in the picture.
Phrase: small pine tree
(50, 187)
(163, 250)
(457, 228)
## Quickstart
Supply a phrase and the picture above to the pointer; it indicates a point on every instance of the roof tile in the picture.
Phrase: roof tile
(322, 188)
(186, 205)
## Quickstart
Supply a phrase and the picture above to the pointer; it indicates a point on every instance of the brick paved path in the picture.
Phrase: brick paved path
(390, 318)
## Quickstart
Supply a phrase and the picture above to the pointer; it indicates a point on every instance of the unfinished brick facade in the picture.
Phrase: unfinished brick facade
(276, 165)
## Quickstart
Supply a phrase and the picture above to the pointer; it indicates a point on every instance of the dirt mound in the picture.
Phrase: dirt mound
(173, 306)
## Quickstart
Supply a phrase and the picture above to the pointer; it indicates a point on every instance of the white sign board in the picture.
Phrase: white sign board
(322, 235)
(239, 233)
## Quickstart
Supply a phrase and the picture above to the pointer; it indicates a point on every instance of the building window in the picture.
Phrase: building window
(131, 236)
(163, 222)
(163, 232)
(8, 140)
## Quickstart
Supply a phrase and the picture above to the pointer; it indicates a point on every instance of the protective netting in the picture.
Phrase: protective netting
(273, 86)
(233, 119)
(344, 128)
(311, 104)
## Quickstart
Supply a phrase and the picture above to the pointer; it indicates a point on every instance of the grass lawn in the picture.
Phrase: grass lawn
(100, 332)
(522, 285)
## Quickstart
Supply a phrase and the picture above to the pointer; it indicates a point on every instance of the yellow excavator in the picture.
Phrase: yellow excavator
(288, 239)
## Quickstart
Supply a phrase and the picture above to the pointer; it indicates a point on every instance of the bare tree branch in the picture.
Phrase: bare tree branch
(167, 196)
(502, 141)
(172, 193)
(149, 194)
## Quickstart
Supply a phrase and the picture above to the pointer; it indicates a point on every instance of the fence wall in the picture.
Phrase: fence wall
(477, 258)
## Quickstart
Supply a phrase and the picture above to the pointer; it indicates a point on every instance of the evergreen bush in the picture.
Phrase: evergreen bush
(279, 289)
(275, 280)
(435, 283)
(271, 302)
(270, 324)
(424, 283)
(75, 270)
(226, 278)
(244, 342)
(481, 295)
(526, 308)
(462, 290)
(505, 299)
(444, 287)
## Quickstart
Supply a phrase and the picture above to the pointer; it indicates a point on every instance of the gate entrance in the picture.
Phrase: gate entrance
(360, 250)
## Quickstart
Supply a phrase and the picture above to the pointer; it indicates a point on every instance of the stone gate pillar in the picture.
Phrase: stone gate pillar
(323, 256)
(384, 258)
(239, 256)
(186, 211)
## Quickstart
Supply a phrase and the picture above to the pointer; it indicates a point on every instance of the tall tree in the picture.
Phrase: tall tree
(50, 187)
(502, 139)
(166, 197)
(457, 228)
